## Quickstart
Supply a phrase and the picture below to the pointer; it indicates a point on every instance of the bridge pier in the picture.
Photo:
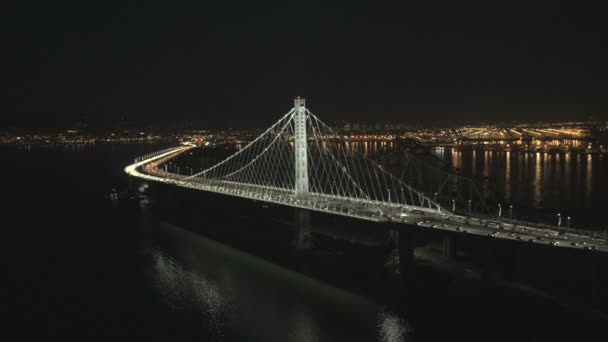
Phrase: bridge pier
(491, 265)
(448, 246)
(600, 279)
(302, 228)
(405, 247)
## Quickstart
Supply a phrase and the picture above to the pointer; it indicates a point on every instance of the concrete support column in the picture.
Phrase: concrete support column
(302, 228)
(490, 269)
(448, 246)
(393, 238)
(405, 247)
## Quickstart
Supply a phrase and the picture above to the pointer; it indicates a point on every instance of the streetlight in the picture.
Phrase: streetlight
(559, 220)
(511, 211)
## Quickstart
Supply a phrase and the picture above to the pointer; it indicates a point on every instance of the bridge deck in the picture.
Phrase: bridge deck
(425, 218)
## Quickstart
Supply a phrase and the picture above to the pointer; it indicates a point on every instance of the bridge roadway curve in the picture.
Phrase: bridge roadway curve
(424, 218)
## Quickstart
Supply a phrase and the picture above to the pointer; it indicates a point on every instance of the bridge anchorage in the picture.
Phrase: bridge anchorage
(301, 162)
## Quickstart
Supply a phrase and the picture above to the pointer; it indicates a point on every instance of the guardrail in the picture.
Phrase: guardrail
(600, 236)
(154, 154)
(597, 235)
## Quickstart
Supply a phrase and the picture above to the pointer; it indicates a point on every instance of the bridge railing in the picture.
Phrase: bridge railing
(600, 236)
(155, 153)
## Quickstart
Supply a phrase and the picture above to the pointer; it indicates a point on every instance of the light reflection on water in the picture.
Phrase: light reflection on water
(393, 328)
(182, 289)
(589, 179)
(508, 177)
(237, 294)
(544, 180)
(537, 197)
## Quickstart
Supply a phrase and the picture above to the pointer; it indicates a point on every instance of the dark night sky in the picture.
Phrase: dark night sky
(227, 61)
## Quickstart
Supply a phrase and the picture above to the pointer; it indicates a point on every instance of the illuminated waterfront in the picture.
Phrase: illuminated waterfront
(551, 182)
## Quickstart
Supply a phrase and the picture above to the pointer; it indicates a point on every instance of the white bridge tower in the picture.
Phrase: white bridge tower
(301, 148)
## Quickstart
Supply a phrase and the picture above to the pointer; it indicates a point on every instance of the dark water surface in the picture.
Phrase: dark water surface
(538, 184)
(572, 183)
(81, 266)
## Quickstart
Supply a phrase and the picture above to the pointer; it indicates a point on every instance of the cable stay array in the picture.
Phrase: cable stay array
(335, 169)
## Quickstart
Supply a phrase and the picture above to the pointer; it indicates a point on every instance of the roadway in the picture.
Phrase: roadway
(422, 217)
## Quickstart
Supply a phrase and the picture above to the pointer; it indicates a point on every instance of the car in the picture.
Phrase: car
(573, 243)
(554, 243)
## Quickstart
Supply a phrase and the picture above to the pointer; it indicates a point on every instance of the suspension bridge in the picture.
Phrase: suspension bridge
(301, 162)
